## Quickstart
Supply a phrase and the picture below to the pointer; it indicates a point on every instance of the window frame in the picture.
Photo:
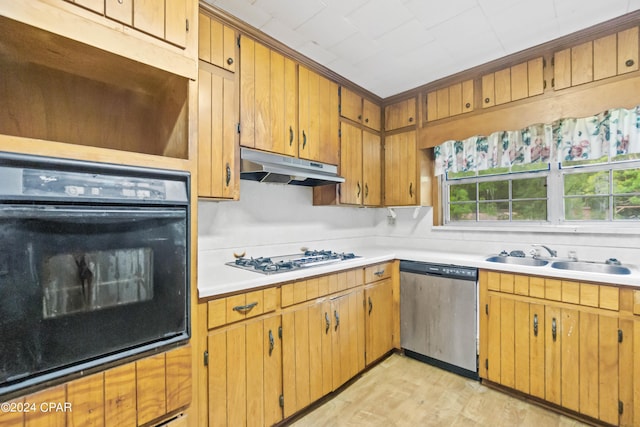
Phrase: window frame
(555, 197)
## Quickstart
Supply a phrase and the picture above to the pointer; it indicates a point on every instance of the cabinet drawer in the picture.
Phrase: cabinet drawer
(239, 307)
(377, 272)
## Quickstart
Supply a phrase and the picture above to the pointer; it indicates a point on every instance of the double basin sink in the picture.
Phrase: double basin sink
(582, 266)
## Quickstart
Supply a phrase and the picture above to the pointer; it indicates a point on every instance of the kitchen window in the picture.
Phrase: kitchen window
(606, 191)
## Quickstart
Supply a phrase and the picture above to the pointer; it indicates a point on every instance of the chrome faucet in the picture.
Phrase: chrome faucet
(552, 253)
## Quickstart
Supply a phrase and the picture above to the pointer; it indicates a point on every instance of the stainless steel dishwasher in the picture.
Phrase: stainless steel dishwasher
(438, 315)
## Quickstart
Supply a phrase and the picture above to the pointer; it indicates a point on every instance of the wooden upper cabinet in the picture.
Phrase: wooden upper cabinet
(352, 190)
(401, 178)
(604, 57)
(359, 109)
(399, 115)
(371, 114)
(318, 102)
(119, 10)
(176, 25)
(628, 50)
(450, 101)
(217, 43)
(371, 169)
(514, 83)
(148, 16)
(350, 105)
(218, 153)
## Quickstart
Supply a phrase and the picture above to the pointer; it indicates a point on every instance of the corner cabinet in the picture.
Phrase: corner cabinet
(361, 166)
(557, 340)
(401, 173)
(218, 150)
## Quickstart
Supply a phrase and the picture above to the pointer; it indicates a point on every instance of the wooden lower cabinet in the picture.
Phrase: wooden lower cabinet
(565, 354)
(379, 319)
(244, 374)
(322, 348)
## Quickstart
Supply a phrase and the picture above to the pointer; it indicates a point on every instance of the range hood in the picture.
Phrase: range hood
(268, 167)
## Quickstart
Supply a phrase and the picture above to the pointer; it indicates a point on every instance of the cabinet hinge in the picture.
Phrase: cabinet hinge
(339, 133)
(281, 401)
(620, 335)
(339, 108)
(544, 63)
(486, 363)
(553, 61)
(620, 407)
(280, 332)
(238, 127)
(238, 41)
(206, 358)
(187, 25)
(339, 90)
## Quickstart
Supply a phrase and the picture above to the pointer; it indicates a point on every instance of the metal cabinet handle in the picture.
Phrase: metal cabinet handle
(487, 100)
(554, 328)
(229, 61)
(359, 117)
(358, 193)
(535, 325)
(366, 190)
(366, 120)
(629, 62)
(379, 273)
(272, 342)
(370, 306)
(228, 175)
(411, 189)
(410, 119)
(290, 136)
(335, 313)
(327, 323)
(245, 308)
(467, 105)
(304, 139)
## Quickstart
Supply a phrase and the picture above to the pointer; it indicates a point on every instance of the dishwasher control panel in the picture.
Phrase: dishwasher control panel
(445, 270)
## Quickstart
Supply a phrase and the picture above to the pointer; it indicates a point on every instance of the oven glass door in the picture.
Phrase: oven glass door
(82, 285)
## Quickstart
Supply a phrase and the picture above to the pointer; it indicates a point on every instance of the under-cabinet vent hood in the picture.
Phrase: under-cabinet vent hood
(268, 167)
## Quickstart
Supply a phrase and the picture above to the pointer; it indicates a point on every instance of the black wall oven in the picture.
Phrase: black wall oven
(93, 266)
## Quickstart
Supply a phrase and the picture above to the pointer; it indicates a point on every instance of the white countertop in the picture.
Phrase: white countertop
(216, 278)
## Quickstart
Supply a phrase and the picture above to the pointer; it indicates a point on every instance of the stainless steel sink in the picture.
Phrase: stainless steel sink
(591, 267)
(531, 262)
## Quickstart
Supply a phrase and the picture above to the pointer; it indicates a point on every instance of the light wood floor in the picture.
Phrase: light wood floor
(402, 391)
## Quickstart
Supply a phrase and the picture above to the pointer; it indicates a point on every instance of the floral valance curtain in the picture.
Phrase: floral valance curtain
(608, 134)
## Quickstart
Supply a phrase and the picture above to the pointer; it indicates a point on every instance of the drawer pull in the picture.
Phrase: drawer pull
(535, 325)
(379, 273)
(335, 313)
(244, 308)
(554, 328)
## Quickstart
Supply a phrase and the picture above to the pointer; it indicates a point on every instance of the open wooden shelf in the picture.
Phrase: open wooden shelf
(58, 89)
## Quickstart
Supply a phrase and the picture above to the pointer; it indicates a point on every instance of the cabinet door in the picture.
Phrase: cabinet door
(537, 350)
(148, 16)
(370, 114)
(502, 86)
(119, 10)
(327, 146)
(216, 43)
(352, 190)
(608, 369)
(379, 319)
(553, 353)
(318, 117)
(218, 167)
(400, 114)
(570, 359)
(605, 57)
(350, 105)
(582, 64)
(348, 336)
(245, 374)
(400, 169)
(176, 22)
(283, 95)
(247, 92)
(493, 339)
(371, 169)
(262, 98)
(488, 90)
(628, 50)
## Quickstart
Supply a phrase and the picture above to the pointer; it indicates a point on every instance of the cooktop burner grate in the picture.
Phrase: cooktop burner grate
(284, 263)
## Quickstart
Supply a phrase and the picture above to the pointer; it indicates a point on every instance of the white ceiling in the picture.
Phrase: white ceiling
(389, 46)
